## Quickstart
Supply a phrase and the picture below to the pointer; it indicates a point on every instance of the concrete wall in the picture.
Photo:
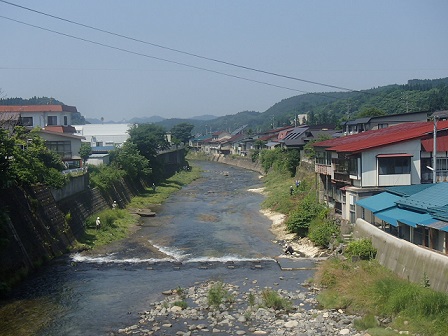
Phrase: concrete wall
(407, 260)
(75, 185)
(245, 163)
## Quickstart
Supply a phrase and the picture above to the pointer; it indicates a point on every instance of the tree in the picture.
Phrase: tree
(85, 151)
(149, 139)
(31, 162)
(370, 112)
(129, 159)
(182, 132)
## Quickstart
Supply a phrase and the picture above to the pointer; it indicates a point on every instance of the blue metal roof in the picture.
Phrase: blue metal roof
(378, 202)
(411, 218)
(431, 197)
(408, 190)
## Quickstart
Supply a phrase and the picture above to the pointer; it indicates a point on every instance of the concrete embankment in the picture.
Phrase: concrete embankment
(242, 162)
(34, 227)
(409, 261)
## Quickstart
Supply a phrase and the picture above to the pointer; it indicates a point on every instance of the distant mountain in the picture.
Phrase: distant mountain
(205, 117)
(153, 119)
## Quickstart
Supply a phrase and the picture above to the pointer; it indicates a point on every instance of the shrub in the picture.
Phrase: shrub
(321, 232)
(272, 299)
(216, 295)
(308, 209)
(182, 304)
(362, 248)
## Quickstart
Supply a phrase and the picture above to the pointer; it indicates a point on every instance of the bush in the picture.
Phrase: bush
(362, 248)
(321, 232)
(217, 295)
(271, 299)
(308, 209)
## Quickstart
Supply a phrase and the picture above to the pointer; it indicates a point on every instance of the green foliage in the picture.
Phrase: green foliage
(182, 132)
(366, 322)
(85, 151)
(26, 160)
(362, 248)
(129, 159)
(216, 294)
(283, 160)
(181, 303)
(104, 177)
(149, 139)
(322, 231)
(308, 209)
(271, 299)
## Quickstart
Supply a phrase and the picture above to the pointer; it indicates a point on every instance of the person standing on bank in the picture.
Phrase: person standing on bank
(98, 223)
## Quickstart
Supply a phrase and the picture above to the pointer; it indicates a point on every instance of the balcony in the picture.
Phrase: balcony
(342, 177)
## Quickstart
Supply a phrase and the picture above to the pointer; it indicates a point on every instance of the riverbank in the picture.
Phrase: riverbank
(248, 309)
(303, 247)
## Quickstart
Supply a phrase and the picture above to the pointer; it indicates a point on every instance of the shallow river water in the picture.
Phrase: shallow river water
(205, 226)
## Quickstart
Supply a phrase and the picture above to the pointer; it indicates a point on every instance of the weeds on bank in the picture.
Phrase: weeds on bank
(218, 295)
(164, 189)
(272, 299)
(368, 289)
(115, 224)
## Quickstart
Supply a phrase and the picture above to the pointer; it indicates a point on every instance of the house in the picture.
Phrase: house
(41, 115)
(213, 145)
(416, 213)
(361, 165)
(197, 142)
(64, 144)
(371, 123)
(104, 135)
(301, 135)
(54, 122)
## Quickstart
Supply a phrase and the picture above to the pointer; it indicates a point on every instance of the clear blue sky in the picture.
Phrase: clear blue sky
(352, 44)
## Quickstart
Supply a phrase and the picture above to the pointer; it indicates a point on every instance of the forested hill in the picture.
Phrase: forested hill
(322, 108)
(336, 107)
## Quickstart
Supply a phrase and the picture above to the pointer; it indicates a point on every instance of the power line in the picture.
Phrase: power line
(183, 52)
(161, 59)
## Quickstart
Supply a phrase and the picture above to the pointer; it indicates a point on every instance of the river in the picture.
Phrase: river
(202, 228)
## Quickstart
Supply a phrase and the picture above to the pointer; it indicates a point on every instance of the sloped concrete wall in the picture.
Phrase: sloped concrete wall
(407, 260)
(245, 163)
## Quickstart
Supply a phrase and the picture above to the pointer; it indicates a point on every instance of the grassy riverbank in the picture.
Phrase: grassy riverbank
(385, 301)
(119, 223)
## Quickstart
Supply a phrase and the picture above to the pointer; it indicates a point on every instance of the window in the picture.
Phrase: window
(323, 158)
(65, 120)
(63, 148)
(382, 126)
(52, 120)
(394, 165)
(26, 121)
(353, 166)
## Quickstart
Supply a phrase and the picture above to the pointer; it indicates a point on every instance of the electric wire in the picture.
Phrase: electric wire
(184, 52)
(161, 59)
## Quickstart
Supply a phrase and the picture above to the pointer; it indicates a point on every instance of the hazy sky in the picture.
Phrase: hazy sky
(352, 44)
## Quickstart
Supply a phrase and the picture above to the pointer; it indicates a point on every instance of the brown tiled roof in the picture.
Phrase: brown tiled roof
(37, 108)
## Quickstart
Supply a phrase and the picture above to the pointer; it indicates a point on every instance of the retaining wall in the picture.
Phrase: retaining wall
(404, 258)
(245, 163)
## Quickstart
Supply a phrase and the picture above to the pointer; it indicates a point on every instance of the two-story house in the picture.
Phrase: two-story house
(42, 115)
(55, 124)
(361, 165)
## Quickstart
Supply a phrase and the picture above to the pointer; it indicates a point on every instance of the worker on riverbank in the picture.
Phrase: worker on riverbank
(98, 223)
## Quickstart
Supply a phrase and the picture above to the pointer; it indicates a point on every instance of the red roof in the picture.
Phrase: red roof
(37, 108)
(381, 137)
(442, 142)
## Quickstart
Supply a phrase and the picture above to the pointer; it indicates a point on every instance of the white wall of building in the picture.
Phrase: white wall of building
(369, 169)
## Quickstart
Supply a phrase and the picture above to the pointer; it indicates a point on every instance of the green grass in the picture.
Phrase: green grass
(164, 189)
(116, 223)
(367, 288)
(272, 299)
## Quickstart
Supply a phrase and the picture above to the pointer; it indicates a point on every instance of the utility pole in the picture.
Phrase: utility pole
(434, 152)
